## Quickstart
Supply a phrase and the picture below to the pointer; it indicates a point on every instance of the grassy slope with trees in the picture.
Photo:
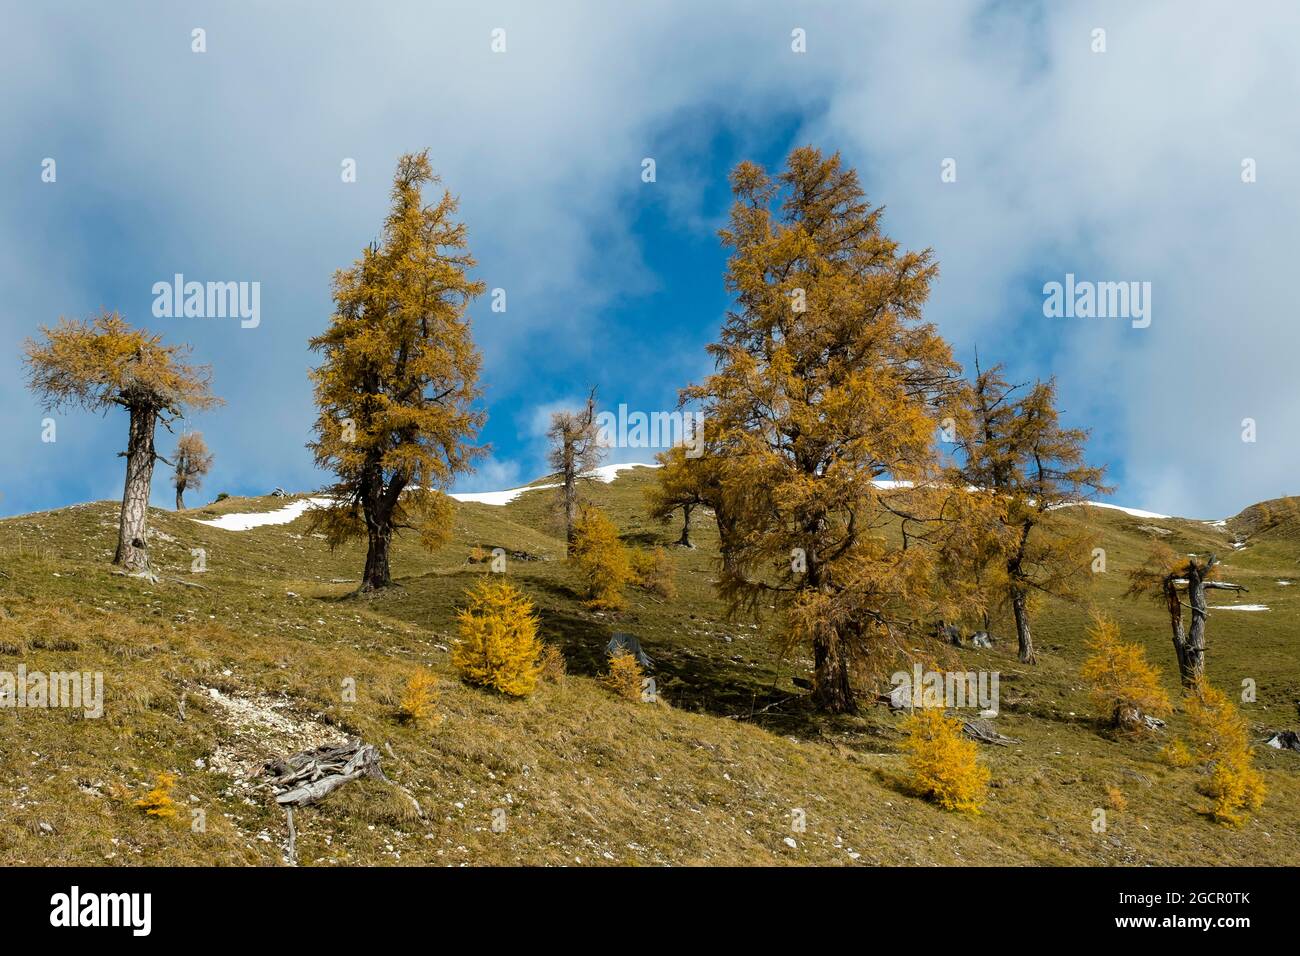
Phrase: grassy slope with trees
(585, 777)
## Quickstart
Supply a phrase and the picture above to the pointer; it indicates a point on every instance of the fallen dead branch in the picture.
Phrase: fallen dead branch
(980, 729)
(311, 775)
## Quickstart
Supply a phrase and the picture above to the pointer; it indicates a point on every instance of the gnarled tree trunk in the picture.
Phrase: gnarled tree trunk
(1021, 612)
(133, 532)
(180, 497)
(380, 540)
(570, 509)
(1190, 646)
(685, 539)
(832, 691)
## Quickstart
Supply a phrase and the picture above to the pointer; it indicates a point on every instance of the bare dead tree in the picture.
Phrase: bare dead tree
(1178, 583)
(574, 452)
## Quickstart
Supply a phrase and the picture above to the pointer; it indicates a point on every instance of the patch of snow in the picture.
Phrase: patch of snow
(1240, 607)
(605, 473)
(1135, 512)
(1284, 583)
(1221, 523)
(497, 497)
(243, 522)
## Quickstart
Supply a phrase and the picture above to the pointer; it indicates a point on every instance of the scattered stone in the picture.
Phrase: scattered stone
(1284, 740)
(629, 644)
(981, 639)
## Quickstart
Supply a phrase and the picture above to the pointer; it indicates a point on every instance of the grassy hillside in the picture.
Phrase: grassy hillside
(209, 681)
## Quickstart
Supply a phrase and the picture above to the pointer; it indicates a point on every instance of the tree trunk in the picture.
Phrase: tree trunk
(1026, 640)
(570, 509)
(180, 497)
(1191, 648)
(832, 692)
(377, 575)
(685, 539)
(133, 532)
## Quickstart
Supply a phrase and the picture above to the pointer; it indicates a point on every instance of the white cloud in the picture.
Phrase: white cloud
(225, 165)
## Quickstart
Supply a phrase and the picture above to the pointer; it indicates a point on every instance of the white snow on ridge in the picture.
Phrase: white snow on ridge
(295, 509)
(1239, 607)
(243, 522)
(605, 473)
(1135, 512)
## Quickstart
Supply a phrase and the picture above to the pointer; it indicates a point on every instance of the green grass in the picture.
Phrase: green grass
(585, 778)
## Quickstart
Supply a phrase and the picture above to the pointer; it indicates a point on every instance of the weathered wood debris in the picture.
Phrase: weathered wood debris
(311, 775)
(980, 729)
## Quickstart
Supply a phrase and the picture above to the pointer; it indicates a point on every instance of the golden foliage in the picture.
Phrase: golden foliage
(419, 701)
(1124, 685)
(943, 764)
(1116, 799)
(104, 362)
(498, 645)
(158, 802)
(827, 379)
(601, 559)
(654, 572)
(1221, 740)
(192, 461)
(624, 677)
(396, 388)
(1014, 448)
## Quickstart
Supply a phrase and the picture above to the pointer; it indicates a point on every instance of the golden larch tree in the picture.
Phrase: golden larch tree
(191, 462)
(688, 482)
(104, 363)
(679, 485)
(396, 389)
(1013, 447)
(601, 559)
(826, 380)
(1123, 684)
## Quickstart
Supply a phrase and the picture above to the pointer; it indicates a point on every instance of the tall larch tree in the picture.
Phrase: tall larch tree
(191, 462)
(1012, 445)
(574, 452)
(103, 363)
(681, 485)
(826, 380)
(398, 380)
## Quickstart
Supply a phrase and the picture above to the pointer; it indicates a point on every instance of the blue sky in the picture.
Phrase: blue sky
(1122, 165)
